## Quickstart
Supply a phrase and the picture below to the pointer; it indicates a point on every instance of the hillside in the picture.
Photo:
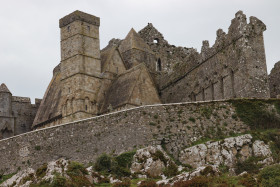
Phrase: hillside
(218, 143)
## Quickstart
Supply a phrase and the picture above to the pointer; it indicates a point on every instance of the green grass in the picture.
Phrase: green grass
(5, 177)
(255, 113)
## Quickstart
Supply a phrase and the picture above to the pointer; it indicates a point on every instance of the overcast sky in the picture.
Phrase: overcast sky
(30, 41)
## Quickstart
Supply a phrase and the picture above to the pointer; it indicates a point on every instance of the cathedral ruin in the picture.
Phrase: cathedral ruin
(141, 69)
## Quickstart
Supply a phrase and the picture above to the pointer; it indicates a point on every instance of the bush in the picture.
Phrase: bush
(207, 170)
(125, 183)
(103, 163)
(250, 165)
(200, 181)
(120, 171)
(158, 155)
(255, 113)
(171, 170)
(125, 159)
(148, 183)
(270, 176)
(41, 171)
(59, 181)
(247, 180)
(192, 119)
(76, 169)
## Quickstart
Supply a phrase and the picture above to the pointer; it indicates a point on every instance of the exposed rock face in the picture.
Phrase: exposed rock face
(227, 152)
(26, 177)
(153, 162)
(213, 170)
(274, 80)
(150, 161)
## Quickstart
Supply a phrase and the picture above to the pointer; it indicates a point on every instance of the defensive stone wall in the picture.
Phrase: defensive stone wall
(173, 125)
(274, 81)
(24, 113)
(16, 114)
(234, 67)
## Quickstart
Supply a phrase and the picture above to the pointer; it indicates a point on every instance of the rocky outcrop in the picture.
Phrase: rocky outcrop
(207, 159)
(151, 162)
(226, 152)
(204, 170)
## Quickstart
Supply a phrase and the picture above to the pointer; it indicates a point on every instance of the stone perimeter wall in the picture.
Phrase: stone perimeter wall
(174, 125)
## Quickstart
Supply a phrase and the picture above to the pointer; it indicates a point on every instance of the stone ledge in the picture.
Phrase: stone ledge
(78, 15)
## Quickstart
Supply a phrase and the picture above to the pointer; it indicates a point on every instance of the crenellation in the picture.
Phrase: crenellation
(21, 99)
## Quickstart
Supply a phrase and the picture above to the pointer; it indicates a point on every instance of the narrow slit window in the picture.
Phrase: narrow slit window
(159, 65)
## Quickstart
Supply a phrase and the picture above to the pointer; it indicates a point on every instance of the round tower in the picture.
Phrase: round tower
(5, 101)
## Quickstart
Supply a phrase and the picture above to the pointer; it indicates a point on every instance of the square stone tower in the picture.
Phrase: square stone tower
(80, 65)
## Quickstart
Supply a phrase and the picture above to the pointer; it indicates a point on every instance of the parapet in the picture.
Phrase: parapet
(78, 15)
(21, 99)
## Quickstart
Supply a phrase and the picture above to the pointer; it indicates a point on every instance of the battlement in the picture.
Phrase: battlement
(216, 73)
(21, 99)
(81, 16)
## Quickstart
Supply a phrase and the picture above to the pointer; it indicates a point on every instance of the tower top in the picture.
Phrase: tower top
(4, 89)
(78, 15)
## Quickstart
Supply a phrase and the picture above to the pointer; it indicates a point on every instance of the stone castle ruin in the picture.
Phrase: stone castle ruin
(142, 69)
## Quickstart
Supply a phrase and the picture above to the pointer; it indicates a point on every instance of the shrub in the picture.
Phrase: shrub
(250, 165)
(78, 181)
(207, 170)
(76, 169)
(124, 183)
(41, 171)
(125, 159)
(103, 163)
(270, 176)
(158, 155)
(148, 183)
(200, 181)
(29, 177)
(247, 180)
(59, 181)
(171, 170)
(152, 123)
(119, 166)
(120, 171)
(255, 114)
(223, 168)
(192, 119)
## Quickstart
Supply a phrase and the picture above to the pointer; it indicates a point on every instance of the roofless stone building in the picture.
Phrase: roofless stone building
(142, 69)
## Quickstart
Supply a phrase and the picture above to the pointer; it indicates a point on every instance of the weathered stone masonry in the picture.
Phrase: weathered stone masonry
(234, 66)
(16, 113)
(174, 125)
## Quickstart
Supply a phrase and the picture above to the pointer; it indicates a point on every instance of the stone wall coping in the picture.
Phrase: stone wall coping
(116, 112)
(81, 16)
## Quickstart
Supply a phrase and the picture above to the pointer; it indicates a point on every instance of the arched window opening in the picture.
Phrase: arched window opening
(159, 65)
(86, 107)
(156, 41)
